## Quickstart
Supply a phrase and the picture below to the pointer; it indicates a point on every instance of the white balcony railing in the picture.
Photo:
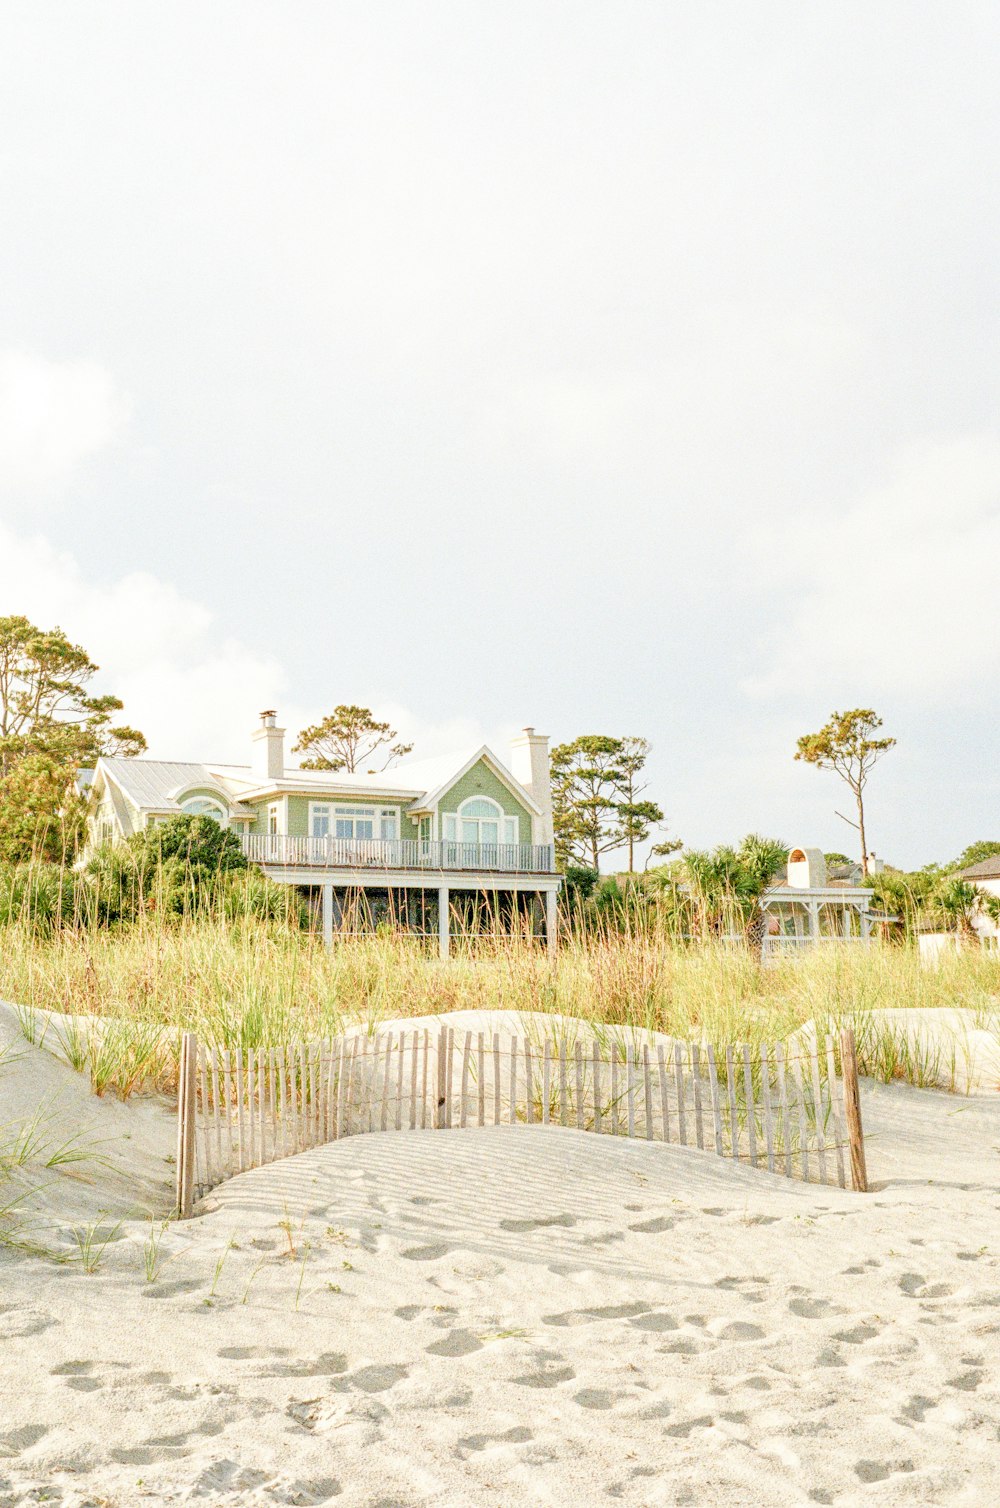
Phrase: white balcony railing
(396, 853)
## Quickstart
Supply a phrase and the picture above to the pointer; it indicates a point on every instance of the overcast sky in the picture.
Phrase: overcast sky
(613, 367)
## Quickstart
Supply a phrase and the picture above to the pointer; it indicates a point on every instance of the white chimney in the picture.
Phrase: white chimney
(806, 869)
(268, 758)
(529, 764)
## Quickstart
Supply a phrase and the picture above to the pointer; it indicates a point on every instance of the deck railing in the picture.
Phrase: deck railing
(396, 853)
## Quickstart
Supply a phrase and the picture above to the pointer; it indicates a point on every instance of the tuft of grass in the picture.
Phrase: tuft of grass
(153, 1256)
(92, 1241)
(220, 1264)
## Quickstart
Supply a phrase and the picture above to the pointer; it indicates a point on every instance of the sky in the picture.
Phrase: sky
(623, 367)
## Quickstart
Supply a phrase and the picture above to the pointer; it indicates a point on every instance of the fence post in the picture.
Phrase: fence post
(186, 1113)
(852, 1110)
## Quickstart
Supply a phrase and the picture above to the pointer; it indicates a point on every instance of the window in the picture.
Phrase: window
(319, 820)
(354, 822)
(201, 806)
(388, 823)
(479, 821)
(272, 817)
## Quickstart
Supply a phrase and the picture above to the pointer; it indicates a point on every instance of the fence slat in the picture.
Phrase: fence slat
(563, 1106)
(750, 1104)
(630, 1081)
(734, 1124)
(818, 1111)
(679, 1084)
(442, 1078)
(463, 1114)
(713, 1083)
(699, 1130)
(598, 1109)
(647, 1092)
(546, 1079)
(400, 1067)
(786, 1120)
(765, 1092)
(838, 1124)
(496, 1078)
(386, 1080)
(512, 1106)
(529, 1098)
(614, 1089)
(423, 1079)
(580, 1107)
(414, 1072)
(481, 1070)
(803, 1124)
(217, 1114)
(661, 1069)
(240, 1115)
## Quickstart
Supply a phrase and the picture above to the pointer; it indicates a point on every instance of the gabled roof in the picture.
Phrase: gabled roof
(986, 869)
(156, 785)
(440, 775)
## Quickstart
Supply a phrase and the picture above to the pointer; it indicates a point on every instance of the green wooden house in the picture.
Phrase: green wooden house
(431, 845)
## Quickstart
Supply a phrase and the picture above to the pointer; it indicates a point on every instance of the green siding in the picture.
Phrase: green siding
(481, 781)
(298, 813)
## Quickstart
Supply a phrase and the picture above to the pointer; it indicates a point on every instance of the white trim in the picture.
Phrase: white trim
(432, 799)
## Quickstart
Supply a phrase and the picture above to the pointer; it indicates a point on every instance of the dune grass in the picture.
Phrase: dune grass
(251, 984)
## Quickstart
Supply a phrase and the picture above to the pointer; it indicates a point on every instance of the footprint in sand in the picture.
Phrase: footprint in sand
(377, 1379)
(594, 1398)
(878, 1471)
(16, 1440)
(457, 1343)
(589, 1316)
(813, 1308)
(523, 1227)
(856, 1336)
(427, 1253)
(519, 1435)
(656, 1323)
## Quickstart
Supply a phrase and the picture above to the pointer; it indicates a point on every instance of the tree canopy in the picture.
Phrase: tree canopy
(847, 746)
(597, 803)
(975, 853)
(350, 738)
(50, 727)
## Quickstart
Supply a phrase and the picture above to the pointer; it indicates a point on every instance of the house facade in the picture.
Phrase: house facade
(985, 876)
(427, 843)
(809, 905)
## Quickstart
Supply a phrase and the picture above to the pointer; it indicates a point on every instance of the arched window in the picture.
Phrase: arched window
(480, 821)
(202, 806)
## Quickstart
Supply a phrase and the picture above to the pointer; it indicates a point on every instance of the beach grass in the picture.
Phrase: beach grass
(252, 984)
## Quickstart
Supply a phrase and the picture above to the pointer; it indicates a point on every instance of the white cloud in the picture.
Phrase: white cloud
(52, 416)
(895, 594)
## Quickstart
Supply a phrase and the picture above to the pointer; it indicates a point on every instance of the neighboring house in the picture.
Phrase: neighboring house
(985, 874)
(807, 905)
(426, 842)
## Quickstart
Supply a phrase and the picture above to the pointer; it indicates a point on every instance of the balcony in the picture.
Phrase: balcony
(396, 853)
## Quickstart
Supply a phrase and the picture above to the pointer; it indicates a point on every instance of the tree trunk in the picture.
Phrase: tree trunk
(861, 830)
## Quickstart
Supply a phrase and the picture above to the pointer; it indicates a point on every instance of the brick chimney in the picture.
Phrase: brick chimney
(529, 764)
(268, 756)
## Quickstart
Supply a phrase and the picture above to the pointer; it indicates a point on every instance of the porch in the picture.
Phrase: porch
(387, 854)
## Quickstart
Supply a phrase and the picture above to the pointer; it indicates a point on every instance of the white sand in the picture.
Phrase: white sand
(534, 1316)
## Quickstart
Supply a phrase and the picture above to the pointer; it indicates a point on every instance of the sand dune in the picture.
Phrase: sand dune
(531, 1315)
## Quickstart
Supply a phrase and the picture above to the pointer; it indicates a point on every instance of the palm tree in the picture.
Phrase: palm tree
(960, 900)
(727, 886)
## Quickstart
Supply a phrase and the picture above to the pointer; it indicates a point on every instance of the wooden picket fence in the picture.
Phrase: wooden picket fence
(782, 1108)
